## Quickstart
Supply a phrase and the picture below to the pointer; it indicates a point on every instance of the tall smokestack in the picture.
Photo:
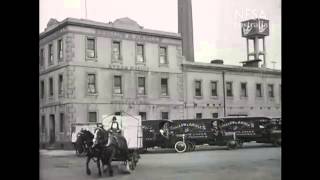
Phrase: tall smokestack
(185, 27)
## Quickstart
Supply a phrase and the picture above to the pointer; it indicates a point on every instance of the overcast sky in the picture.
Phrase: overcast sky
(216, 23)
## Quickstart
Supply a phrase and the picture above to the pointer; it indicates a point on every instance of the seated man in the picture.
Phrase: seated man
(115, 126)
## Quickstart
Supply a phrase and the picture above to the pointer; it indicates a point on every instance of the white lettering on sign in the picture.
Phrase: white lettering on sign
(137, 68)
(189, 125)
(238, 123)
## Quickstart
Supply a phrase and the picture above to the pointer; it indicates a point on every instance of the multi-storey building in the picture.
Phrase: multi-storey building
(89, 69)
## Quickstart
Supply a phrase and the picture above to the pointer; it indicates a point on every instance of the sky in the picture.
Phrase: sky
(216, 23)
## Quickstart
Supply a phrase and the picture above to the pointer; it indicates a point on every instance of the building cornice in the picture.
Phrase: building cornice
(206, 66)
(103, 26)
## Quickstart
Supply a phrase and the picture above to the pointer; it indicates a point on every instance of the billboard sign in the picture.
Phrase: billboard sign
(255, 27)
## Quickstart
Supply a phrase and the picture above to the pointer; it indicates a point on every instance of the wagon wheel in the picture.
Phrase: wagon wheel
(232, 144)
(180, 146)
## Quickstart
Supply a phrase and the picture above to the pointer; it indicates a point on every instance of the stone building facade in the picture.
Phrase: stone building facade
(89, 69)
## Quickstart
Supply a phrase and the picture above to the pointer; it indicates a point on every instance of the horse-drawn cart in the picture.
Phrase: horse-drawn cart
(131, 128)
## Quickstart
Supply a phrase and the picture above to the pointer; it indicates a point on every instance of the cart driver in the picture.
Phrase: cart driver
(115, 126)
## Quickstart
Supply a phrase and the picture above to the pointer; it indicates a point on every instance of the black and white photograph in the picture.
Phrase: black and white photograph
(160, 89)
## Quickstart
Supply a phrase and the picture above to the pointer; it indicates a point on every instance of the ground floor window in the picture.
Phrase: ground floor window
(199, 115)
(92, 116)
(143, 116)
(165, 115)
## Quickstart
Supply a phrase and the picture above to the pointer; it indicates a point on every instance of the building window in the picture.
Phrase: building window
(141, 86)
(280, 92)
(164, 115)
(229, 89)
(258, 90)
(43, 124)
(60, 84)
(50, 87)
(116, 51)
(143, 116)
(92, 89)
(164, 86)
(60, 49)
(140, 53)
(198, 88)
(117, 113)
(41, 57)
(91, 48)
(214, 115)
(214, 88)
(270, 90)
(198, 115)
(50, 54)
(243, 89)
(92, 116)
(117, 87)
(42, 90)
(61, 122)
(163, 55)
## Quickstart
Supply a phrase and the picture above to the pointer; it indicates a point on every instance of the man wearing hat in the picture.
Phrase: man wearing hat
(115, 125)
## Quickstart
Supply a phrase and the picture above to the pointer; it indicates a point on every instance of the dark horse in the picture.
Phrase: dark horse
(84, 141)
(107, 145)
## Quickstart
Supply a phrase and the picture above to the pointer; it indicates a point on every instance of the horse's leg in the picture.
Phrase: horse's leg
(98, 164)
(113, 151)
(87, 165)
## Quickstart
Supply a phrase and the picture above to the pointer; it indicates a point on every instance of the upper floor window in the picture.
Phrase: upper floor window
(92, 116)
(50, 54)
(117, 86)
(243, 89)
(140, 53)
(141, 86)
(41, 57)
(198, 88)
(214, 88)
(92, 89)
(91, 48)
(60, 84)
(60, 49)
(42, 89)
(116, 51)
(270, 90)
(258, 90)
(163, 55)
(164, 87)
(229, 89)
(50, 87)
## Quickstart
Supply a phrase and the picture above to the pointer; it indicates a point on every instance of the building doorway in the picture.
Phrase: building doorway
(52, 130)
